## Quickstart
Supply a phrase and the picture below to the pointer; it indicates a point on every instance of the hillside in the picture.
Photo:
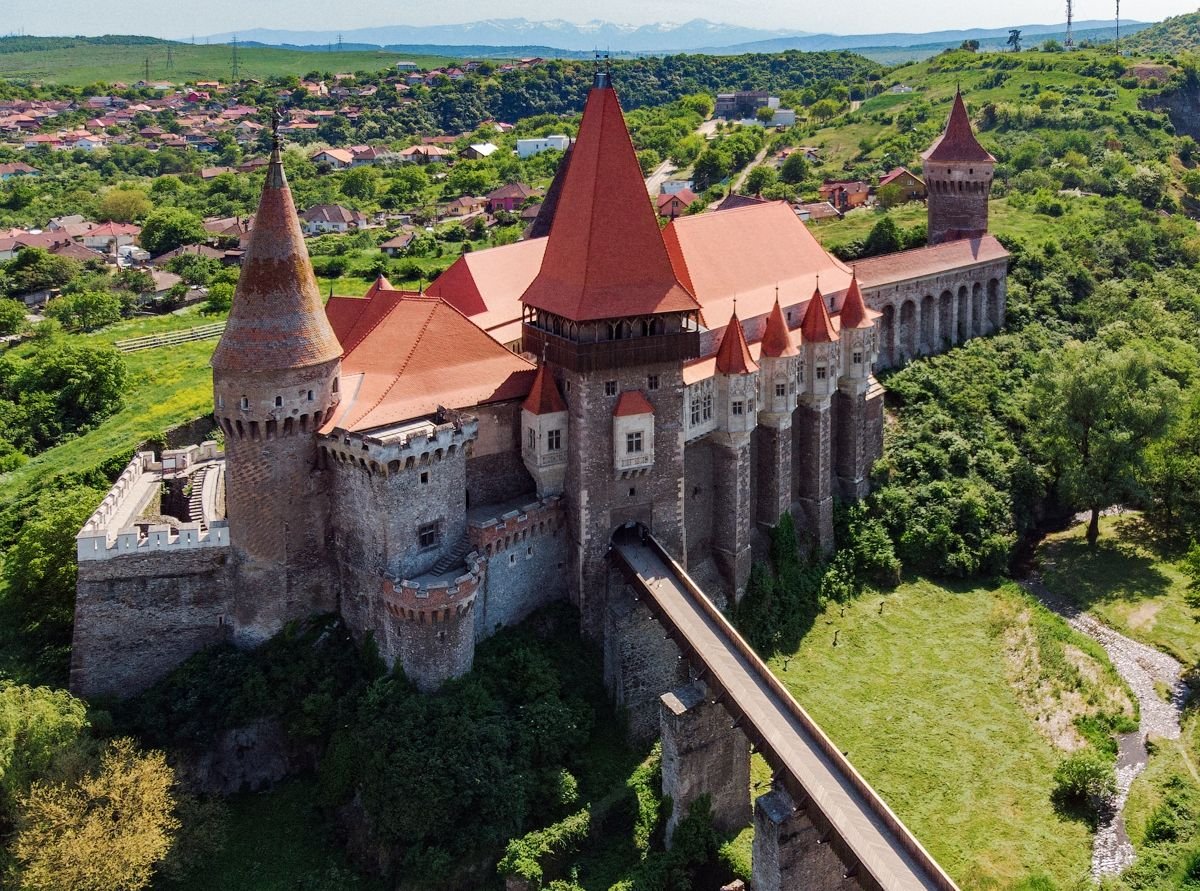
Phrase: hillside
(1180, 33)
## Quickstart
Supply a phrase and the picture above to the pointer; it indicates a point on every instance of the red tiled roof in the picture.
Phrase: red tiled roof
(854, 312)
(409, 354)
(605, 257)
(749, 253)
(733, 355)
(277, 320)
(899, 171)
(817, 327)
(487, 285)
(958, 142)
(544, 398)
(632, 402)
(777, 339)
(921, 262)
(540, 228)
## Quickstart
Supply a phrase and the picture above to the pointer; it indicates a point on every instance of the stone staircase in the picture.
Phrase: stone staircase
(195, 506)
(456, 556)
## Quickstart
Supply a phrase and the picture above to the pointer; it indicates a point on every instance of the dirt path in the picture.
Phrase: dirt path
(1141, 667)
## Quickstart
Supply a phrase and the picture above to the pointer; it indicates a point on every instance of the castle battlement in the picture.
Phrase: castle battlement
(435, 601)
(112, 529)
(415, 444)
(495, 534)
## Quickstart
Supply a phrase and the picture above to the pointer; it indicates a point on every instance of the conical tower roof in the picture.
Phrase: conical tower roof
(854, 309)
(278, 319)
(817, 327)
(543, 398)
(958, 142)
(605, 257)
(733, 355)
(777, 339)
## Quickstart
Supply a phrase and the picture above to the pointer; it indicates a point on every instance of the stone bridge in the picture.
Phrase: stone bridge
(821, 827)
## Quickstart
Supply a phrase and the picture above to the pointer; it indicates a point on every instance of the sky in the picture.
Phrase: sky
(182, 18)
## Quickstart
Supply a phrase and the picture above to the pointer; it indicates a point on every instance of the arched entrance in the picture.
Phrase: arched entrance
(887, 337)
(908, 331)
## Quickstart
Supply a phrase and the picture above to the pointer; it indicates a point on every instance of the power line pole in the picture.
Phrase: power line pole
(170, 58)
(147, 78)
(236, 66)
(1118, 41)
(339, 49)
(1070, 41)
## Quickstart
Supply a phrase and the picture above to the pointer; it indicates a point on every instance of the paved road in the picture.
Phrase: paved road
(778, 724)
(741, 177)
(1140, 666)
(658, 176)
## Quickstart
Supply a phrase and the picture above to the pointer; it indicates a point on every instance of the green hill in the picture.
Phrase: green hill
(78, 61)
(1180, 33)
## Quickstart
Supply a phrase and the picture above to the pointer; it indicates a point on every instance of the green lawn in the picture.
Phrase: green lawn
(1127, 582)
(276, 841)
(922, 700)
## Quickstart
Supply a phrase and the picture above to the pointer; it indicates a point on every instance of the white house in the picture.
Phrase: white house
(527, 148)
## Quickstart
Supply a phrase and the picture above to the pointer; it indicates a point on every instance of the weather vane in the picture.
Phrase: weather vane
(276, 121)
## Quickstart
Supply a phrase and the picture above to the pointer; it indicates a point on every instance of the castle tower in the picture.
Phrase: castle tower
(820, 354)
(958, 180)
(780, 364)
(737, 392)
(615, 326)
(544, 444)
(858, 405)
(275, 382)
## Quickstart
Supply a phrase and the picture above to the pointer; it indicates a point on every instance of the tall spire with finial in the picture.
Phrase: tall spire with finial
(277, 320)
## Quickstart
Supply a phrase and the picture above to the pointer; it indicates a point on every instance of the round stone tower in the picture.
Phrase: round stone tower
(275, 383)
(958, 180)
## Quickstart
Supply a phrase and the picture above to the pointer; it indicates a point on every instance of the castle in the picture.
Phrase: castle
(435, 466)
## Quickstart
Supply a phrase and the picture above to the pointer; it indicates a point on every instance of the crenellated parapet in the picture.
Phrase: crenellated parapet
(407, 447)
(428, 603)
(494, 535)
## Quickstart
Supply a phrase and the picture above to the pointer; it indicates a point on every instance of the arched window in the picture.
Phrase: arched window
(245, 402)
(278, 401)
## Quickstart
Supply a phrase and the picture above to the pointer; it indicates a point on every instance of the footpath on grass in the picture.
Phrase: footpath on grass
(1142, 668)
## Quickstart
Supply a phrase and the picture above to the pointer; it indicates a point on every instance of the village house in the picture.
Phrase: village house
(324, 218)
(336, 158)
(673, 204)
(8, 171)
(466, 206)
(911, 186)
(479, 150)
(398, 244)
(845, 194)
(510, 197)
(527, 148)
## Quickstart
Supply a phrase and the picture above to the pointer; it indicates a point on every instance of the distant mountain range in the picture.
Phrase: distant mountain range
(698, 35)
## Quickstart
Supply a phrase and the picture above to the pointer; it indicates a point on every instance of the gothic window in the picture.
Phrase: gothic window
(633, 442)
(707, 408)
(428, 535)
(610, 388)
(858, 358)
(738, 407)
(652, 382)
(553, 440)
(781, 389)
(820, 372)
(695, 411)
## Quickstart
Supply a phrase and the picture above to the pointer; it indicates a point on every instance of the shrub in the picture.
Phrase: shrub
(1085, 778)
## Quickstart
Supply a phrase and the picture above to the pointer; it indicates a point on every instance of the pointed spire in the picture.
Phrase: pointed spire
(777, 339)
(605, 257)
(543, 398)
(733, 356)
(278, 318)
(958, 142)
(817, 327)
(854, 312)
(380, 284)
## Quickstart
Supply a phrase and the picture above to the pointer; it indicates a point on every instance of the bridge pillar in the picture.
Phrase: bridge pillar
(788, 853)
(640, 660)
(733, 521)
(703, 754)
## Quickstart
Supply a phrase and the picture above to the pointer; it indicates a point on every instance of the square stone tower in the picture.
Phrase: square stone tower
(958, 180)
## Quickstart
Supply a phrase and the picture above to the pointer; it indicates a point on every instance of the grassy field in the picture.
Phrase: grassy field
(1128, 582)
(78, 66)
(924, 699)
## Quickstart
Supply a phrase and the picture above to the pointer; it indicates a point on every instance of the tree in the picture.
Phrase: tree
(360, 182)
(406, 185)
(765, 114)
(43, 736)
(823, 109)
(1014, 39)
(794, 169)
(85, 310)
(220, 298)
(35, 269)
(170, 227)
(891, 195)
(761, 177)
(884, 238)
(971, 46)
(12, 316)
(106, 832)
(124, 205)
(1093, 412)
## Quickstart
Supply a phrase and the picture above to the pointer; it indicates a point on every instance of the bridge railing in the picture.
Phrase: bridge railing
(878, 806)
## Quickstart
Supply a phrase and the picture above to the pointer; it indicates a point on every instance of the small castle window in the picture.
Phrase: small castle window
(512, 559)
(695, 411)
(858, 358)
(652, 382)
(738, 407)
(610, 388)
(632, 491)
(428, 535)
(781, 389)
(245, 402)
(633, 442)
(424, 476)
(820, 372)
(553, 440)
(707, 408)
(532, 439)
(335, 385)
(278, 401)
(310, 395)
